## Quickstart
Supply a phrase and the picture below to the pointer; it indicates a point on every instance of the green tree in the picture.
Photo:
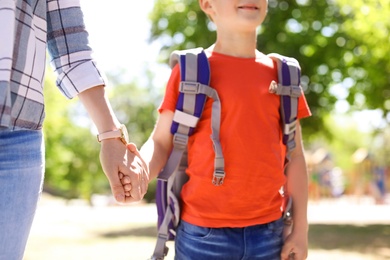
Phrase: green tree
(135, 105)
(367, 24)
(341, 46)
(72, 153)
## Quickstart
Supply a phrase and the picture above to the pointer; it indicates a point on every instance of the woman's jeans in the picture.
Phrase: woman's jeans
(253, 242)
(21, 178)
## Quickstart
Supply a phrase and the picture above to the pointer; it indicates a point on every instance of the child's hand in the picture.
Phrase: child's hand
(125, 180)
(295, 247)
(135, 184)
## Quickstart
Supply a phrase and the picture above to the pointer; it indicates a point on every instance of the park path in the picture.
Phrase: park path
(75, 231)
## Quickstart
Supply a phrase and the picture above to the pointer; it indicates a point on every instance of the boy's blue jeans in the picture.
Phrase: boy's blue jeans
(21, 177)
(253, 242)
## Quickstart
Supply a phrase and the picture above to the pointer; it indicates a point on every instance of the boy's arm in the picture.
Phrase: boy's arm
(297, 187)
(156, 150)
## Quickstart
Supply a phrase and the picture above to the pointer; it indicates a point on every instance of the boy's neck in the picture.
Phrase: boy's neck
(237, 45)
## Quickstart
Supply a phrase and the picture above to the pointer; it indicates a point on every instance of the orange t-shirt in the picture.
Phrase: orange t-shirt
(250, 136)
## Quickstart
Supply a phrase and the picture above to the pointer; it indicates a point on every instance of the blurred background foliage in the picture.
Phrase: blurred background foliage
(342, 47)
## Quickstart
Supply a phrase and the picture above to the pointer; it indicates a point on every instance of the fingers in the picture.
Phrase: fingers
(125, 180)
(136, 183)
(143, 166)
(118, 190)
(111, 157)
(286, 250)
(135, 177)
(292, 254)
(132, 148)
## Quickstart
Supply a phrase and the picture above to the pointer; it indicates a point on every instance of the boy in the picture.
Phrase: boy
(241, 219)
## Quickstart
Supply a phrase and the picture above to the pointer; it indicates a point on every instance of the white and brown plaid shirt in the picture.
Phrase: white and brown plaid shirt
(27, 27)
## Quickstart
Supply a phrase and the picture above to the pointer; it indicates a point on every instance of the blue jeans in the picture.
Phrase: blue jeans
(21, 178)
(253, 242)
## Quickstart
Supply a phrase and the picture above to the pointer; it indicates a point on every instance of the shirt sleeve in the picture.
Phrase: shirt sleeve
(303, 107)
(68, 46)
(171, 92)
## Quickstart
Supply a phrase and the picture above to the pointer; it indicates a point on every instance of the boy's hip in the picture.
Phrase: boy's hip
(262, 241)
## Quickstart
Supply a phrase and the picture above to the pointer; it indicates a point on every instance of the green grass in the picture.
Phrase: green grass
(370, 239)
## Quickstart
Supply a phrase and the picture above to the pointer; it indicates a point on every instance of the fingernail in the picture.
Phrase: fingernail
(120, 197)
(132, 147)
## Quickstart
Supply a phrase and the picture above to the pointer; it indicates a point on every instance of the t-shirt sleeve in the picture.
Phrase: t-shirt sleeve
(303, 107)
(171, 91)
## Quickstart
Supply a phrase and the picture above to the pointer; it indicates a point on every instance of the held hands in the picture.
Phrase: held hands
(126, 172)
(135, 184)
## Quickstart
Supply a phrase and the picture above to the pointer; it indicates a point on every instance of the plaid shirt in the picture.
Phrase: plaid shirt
(27, 27)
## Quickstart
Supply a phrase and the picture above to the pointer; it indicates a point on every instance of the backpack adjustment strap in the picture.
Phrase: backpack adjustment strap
(165, 251)
(291, 144)
(163, 237)
(295, 91)
(292, 91)
(180, 141)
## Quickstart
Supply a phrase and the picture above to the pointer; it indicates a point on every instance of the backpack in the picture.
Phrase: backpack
(194, 90)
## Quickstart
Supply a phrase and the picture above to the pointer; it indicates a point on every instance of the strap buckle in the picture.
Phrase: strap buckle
(180, 141)
(163, 236)
(290, 127)
(188, 87)
(291, 145)
(218, 177)
(293, 91)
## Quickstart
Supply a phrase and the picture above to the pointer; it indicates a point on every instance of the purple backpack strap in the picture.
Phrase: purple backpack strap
(194, 90)
(289, 89)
